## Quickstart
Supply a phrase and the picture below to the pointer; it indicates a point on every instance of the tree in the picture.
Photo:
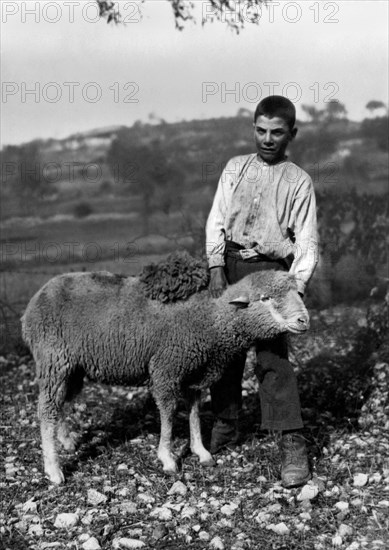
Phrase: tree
(146, 171)
(246, 113)
(314, 114)
(234, 13)
(335, 110)
(374, 105)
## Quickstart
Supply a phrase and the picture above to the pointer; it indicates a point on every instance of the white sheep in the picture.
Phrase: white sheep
(103, 326)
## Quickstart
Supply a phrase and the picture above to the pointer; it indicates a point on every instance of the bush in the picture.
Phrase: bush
(82, 210)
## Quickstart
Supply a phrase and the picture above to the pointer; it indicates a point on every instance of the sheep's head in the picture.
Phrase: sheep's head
(272, 302)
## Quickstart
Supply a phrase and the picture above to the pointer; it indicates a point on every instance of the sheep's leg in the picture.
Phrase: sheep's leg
(196, 442)
(67, 438)
(48, 423)
(165, 454)
(72, 388)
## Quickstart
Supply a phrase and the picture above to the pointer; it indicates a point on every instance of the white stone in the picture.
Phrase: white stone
(375, 478)
(360, 480)
(29, 506)
(203, 535)
(128, 507)
(95, 498)
(146, 497)
(342, 506)
(188, 512)
(337, 541)
(216, 543)
(279, 528)
(91, 544)
(36, 530)
(228, 509)
(178, 488)
(162, 513)
(308, 492)
(66, 520)
(122, 467)
(124, 543)
(344, 530)
(262, 517)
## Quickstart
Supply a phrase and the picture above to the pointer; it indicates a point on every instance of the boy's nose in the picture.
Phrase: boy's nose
(268, 138)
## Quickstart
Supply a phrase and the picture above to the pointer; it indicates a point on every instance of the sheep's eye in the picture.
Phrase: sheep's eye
(264, 298)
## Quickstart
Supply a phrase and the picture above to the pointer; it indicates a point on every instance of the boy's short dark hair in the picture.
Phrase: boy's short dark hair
(277, 106)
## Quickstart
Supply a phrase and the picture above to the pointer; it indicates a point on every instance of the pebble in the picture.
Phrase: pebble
(159, 532)
(188, 512)
(162, 513)
(91, 544)
(36, 530)
(146, 497)
(128, 507)
(337, 541)
(29, 506)
(124, 543)
(228, 509)
(216, 543)
(178, 488)
(360, 480)
(95, 498)
(66, 520)
(341, 505)
(279, 528)
(344, 530)
(308, 492)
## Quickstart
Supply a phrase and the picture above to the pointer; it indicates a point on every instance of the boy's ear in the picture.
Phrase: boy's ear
(294, 132)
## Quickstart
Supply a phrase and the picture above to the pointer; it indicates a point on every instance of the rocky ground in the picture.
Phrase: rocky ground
(117, 497)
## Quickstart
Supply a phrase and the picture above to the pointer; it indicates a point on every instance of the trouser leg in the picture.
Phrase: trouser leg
(226, 394)
(280, 402)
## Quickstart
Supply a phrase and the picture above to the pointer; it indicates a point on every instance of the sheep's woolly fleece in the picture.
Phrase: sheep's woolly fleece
(175, 278)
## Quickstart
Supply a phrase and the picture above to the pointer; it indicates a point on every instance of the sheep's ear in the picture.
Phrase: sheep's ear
(242, 301)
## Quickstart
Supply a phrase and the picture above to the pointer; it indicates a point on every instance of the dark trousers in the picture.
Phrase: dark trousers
(280, 402)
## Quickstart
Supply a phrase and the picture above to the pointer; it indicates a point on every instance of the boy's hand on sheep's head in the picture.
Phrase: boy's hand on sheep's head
(218, 282)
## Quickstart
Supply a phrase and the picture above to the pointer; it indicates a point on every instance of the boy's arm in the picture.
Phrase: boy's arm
(215, 227)
(306, 250)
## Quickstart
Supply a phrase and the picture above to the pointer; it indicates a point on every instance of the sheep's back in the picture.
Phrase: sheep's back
(94, 320)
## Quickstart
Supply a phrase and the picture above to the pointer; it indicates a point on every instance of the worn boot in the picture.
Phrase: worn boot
(225, 433)
(294, 460)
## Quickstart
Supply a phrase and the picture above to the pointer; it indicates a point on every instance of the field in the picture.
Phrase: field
(116, 493)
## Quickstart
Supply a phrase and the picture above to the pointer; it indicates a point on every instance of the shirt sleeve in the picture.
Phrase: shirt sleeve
(304, 226)
(215, 227)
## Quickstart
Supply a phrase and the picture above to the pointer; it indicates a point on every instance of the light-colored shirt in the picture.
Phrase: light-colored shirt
(268, 209)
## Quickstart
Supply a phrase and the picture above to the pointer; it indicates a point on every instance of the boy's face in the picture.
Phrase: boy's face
(272, 136)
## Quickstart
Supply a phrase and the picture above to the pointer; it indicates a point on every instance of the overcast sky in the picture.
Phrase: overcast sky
(309, 51)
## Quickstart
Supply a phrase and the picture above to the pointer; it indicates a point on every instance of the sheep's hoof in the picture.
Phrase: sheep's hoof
(209, 463)
(170, 469)
(69, 443)
(56, 477)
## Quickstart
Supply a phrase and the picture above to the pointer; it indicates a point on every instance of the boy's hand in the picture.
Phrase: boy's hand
(218, 282)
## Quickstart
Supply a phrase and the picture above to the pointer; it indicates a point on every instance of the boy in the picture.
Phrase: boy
(264, 217)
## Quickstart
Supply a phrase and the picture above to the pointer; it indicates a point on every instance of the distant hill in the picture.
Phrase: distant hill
(340, 153)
